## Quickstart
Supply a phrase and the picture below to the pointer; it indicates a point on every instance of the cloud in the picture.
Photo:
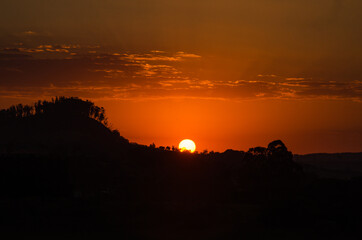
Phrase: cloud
(29, 33)
(295, 79)
(69, 69)
(267, 75)
(149, 57)
(186, 55)
(160, 56)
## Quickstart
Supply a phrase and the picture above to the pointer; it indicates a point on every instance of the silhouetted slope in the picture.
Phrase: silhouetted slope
(60, 147)
(57, 128)
(47, 133)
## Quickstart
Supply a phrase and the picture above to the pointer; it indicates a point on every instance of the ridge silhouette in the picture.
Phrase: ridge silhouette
(64, 171)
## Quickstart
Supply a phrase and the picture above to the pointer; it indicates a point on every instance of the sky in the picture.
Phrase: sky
(224, 73)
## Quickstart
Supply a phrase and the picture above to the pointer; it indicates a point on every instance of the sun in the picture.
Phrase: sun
(187, 145)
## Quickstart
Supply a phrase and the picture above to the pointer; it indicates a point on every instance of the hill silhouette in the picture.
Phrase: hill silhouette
(62, 122)
(64, 172)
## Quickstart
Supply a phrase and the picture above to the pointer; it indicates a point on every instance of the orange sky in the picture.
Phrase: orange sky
(227, 74)
(305, 126)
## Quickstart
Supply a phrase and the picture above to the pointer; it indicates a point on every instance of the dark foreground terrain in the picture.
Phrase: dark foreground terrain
(65, 175)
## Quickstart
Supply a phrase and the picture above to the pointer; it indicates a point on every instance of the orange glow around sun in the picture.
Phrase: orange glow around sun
(187, 145)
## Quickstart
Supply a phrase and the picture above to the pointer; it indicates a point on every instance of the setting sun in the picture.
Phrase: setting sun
(187, 145)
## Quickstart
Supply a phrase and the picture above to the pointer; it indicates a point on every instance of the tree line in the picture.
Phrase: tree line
(63, 107)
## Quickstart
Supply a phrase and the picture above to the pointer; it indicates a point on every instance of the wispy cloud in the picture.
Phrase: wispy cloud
(29, 33)
(294, 79)
(182, 55)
